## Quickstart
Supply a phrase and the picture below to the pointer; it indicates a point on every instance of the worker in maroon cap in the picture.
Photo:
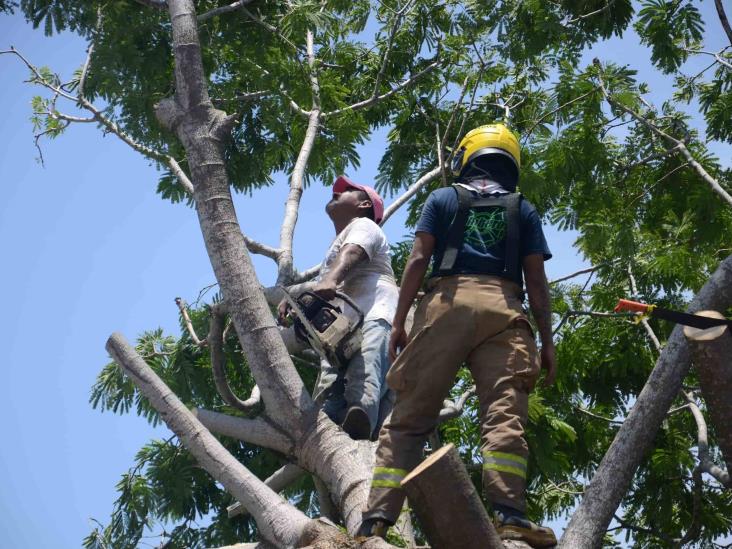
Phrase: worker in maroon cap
(358, 264)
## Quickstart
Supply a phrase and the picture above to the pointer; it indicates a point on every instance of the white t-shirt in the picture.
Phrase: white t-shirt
(371, 282)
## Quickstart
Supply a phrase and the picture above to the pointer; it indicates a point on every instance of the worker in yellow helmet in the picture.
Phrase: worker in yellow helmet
(483, 239)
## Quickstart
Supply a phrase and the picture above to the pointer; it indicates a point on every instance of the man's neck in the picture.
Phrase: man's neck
(340, 224)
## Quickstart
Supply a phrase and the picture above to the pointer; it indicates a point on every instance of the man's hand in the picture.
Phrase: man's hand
(282, 311)
(549, 364)
(397, 341)
(326, 289)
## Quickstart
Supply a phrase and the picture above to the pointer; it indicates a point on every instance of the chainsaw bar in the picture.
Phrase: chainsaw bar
(686, 319)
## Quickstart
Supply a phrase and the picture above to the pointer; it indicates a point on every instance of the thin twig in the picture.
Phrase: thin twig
(189, 325)
(596, 416)
(390, 43)
(578, 273)
(646, 325)
(373, 100)
(634, 528)
(105, 122)
(458, 103)
(717, 55)
(606, 7)
(222, 10)
(157, 4)
(554, 111)
(281, 90)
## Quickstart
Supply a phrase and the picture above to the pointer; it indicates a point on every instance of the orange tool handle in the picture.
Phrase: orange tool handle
(633, 306)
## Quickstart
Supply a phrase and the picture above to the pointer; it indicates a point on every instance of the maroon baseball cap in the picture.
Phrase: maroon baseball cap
(343, 183)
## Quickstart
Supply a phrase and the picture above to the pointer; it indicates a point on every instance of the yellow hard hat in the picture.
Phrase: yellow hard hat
(485, 140)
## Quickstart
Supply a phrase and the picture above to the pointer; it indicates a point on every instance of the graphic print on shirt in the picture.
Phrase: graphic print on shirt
(484, 229)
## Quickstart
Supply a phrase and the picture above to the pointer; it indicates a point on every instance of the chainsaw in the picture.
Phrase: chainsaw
(325, 327)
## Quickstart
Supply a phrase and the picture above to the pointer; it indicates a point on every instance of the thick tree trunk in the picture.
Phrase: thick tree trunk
(447, 505)
(712, 357)
(635, 437)
(203, 131)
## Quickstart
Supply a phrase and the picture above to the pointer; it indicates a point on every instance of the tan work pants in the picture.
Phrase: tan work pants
(473, 319)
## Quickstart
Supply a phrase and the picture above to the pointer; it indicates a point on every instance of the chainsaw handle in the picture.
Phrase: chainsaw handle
(632, 306)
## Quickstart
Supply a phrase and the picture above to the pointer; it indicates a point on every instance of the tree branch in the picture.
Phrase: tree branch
(277, 481)
(157, 4)
(410, 192)
(287, 232)
(204, 131)
(400, 14)
(723, 19)
(215, 341)
(712, 182)
(182, 306)
(105, 122)
(577, 273)
(374, 100)
(223, 9)
(257, 431)
(554, 111)
(281, 90)
(607, 6)
(705, 462)
(454, 409)
(277, 520)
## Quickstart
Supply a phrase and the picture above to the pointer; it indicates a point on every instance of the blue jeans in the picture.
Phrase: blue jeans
(361, 383)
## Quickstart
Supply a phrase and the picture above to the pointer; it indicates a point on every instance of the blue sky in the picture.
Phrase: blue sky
(91, 249)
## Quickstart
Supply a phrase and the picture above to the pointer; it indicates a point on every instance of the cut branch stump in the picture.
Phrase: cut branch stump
(447, 505)
(712, 358)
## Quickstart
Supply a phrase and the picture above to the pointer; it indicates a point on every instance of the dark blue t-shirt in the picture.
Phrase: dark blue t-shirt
(484, 245)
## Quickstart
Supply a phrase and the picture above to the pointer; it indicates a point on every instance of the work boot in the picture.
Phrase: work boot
(357, 424)
(373, 527)
(519, 528)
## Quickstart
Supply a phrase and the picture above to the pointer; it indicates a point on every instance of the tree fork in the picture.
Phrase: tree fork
(712, 357)
(635, 437)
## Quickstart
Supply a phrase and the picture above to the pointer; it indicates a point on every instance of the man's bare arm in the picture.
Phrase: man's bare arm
(348, 257)
(414, 271)
(540, 302)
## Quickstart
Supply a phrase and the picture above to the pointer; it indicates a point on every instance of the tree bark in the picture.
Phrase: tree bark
(447, 505)
(635, 437)
(712, 356)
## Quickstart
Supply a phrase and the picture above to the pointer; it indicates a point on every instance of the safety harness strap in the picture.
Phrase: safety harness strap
(456, 233)
(457, 228)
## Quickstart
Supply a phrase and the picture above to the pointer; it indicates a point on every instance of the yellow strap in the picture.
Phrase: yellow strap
(505, 469)
(640, 317)
(390, 471)
(505, 455)
(386, 484)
